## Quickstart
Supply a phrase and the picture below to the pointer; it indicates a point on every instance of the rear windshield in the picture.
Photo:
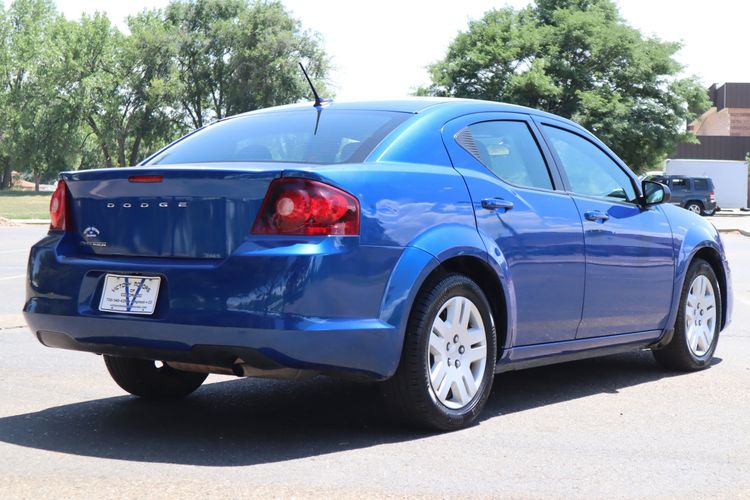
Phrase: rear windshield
(300, 136)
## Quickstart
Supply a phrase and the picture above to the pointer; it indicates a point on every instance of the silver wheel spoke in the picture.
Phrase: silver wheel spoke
(468, 379)
(454, 313)
(439, 327)
(465, 315)
(459, 392)
(476, 354)
(475, 336)
(710, 315)
(437, 345)
(438, 374)
(444, 388)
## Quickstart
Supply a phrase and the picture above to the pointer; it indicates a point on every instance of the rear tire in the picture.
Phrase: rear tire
(698, 321)
(447, 365)
(143, 378)
(694, 207)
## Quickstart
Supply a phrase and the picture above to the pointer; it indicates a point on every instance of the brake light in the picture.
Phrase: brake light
(145, 178)
(58, 208)
(711, 196)
(306, 207)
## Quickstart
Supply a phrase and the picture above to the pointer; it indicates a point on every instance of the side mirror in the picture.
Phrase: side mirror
(655, 193)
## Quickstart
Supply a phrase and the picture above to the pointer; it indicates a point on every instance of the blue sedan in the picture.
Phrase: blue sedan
(427, 244)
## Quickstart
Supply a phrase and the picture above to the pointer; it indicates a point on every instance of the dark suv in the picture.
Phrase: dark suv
(692, 193)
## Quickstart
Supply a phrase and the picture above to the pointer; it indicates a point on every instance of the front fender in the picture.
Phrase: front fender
(691, 235)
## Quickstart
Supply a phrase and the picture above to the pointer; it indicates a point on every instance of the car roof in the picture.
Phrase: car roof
(417, 105)
(678, 176)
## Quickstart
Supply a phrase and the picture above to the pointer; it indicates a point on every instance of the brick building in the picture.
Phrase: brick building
(723, 130)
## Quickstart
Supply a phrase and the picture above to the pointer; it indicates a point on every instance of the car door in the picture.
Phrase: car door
(629, 253)
(524, 219)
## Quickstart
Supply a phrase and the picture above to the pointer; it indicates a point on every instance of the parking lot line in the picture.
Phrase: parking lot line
(17, 250)
(4, 278)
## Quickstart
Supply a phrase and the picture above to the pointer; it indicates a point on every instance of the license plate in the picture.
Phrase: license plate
(129, 294)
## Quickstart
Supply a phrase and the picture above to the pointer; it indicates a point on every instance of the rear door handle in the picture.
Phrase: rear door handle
(496, 204)
(596, 216)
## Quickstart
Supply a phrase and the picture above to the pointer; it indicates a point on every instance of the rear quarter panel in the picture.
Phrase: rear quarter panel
(424, 209)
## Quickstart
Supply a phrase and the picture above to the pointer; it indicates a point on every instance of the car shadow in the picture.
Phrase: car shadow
(248, 421)
(523, 390)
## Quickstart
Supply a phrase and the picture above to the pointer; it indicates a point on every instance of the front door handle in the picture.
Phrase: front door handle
(497, 204)
(596, 216)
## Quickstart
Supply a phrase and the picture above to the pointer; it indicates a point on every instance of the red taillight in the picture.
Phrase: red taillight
(302, 206)
(711, 196)
(58, 207)
(145, 178)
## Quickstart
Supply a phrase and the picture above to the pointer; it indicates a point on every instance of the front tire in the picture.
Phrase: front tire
(698, 321)
(447, 365)
(144, 378)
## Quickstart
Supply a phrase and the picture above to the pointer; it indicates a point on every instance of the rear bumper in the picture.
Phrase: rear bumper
(347, 349)
(281, 303)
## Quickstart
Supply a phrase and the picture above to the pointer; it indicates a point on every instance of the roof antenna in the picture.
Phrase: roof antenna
(318, 100)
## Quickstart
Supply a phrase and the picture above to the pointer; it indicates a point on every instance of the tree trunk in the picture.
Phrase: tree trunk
(36, 183)
(6, 177)
(135, 150)
(102, 142)
(139, 136)
(121, 151)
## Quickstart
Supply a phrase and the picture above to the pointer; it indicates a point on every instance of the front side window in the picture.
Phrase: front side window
(299, 136)
(509, 150)
(589, 170)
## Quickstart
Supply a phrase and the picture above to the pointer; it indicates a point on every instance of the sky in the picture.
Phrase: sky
(381, 49)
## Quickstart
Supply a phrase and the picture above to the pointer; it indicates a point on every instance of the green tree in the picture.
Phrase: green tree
(235, 56)
(578, 59)
(30, 141)
(83, 94)
(121, 84)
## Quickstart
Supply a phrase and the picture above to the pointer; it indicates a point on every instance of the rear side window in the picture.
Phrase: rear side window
(300, 136)
(509, 150)
(590, 171)
(700, 184)
(680, 185)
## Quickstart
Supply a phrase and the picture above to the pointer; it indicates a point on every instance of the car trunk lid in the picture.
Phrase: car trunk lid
(175, 211)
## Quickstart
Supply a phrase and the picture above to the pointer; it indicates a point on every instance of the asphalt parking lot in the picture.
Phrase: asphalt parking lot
(617, 426)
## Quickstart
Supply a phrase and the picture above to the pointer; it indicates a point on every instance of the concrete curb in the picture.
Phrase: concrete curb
(741, 231)
(26, 222)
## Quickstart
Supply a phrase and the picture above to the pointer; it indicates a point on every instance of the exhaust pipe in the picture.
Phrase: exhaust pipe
(246, 370)
(196, 368)
(242, 369)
